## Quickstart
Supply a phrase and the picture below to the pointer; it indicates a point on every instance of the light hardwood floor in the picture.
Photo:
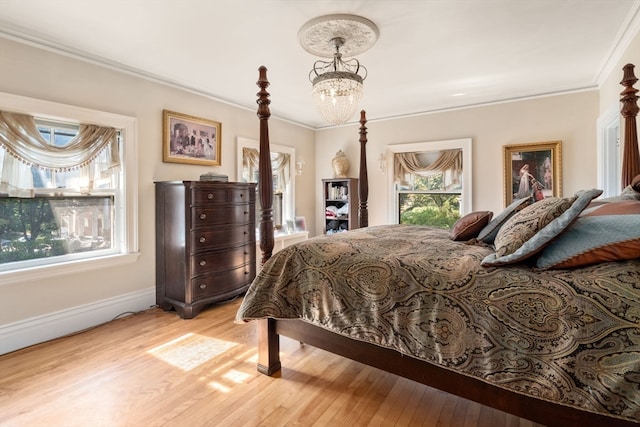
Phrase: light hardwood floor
(155, 369)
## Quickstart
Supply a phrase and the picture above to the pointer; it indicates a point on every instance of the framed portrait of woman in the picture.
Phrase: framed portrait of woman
(532, 169)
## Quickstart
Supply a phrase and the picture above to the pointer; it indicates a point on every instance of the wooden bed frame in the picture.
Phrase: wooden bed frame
(445, 379)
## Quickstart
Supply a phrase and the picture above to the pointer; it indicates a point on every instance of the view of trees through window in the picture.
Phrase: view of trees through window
(425, 202)
(43, 227)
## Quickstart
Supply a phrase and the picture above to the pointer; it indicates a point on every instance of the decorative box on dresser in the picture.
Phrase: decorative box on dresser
(205, 243)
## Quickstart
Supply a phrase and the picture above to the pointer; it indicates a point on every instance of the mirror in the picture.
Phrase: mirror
(282, 166)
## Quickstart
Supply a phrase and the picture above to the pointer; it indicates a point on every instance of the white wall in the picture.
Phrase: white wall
(35, 73)
(570, 118)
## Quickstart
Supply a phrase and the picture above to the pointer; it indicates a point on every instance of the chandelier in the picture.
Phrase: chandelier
(337, 84)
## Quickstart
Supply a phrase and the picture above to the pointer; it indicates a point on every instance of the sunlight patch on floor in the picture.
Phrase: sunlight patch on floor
(191, 350)
(236, 376)
(220, 387)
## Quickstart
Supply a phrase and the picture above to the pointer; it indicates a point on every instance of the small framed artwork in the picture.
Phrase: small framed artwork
(300, 224)
(532, 169)
(189, 139)
(290, 226)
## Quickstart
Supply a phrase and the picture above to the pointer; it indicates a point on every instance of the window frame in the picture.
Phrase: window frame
(127, 209)
(463, 144)
(289, 197)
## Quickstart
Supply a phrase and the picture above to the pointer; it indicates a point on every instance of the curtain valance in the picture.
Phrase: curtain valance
(20, 137)
(279, 165)
(92, 151)
(409, 163)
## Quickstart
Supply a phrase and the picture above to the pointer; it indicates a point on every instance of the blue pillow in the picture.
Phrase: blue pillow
(489, 232)
(543, 237)
(608, 232)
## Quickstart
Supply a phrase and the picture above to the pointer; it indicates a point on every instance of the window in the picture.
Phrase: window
(64, 217)
(282, 159)
(431, 182)
(56, 211)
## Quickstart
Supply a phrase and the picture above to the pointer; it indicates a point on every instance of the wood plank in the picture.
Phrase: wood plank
(155, 369)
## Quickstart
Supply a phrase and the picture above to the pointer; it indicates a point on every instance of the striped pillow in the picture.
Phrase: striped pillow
(608, 232)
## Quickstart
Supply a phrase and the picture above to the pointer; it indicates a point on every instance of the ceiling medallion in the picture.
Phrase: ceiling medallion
(337, 84)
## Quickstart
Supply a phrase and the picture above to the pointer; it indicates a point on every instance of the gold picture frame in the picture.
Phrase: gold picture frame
(540, 162)
(191, 140)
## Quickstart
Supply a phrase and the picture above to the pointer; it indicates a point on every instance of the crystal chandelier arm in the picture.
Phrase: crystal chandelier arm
(351, 66)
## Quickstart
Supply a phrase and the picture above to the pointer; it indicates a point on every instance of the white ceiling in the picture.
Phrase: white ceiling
(430, 55)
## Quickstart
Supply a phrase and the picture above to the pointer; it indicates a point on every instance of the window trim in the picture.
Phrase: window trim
(609, 152)
(449, 144)
(128, 210)
(289, 211)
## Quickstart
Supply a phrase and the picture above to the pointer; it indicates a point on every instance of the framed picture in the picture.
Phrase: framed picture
(290, 226)
(533, 168)
(192, 140)
(300, 224)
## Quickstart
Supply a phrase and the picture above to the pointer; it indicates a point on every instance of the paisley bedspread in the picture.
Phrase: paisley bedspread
(568, 336)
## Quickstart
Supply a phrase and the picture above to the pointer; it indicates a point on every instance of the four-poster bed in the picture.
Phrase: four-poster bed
(559, 347)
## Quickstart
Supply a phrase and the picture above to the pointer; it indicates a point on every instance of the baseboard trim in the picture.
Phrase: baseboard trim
(24, 333)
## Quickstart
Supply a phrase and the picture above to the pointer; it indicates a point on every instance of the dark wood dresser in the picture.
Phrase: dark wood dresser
(205, 243)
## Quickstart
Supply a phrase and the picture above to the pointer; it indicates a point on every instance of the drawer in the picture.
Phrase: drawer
(224, 282)
(222, 195)
(221, 237)
(210, 262)
(235, 214)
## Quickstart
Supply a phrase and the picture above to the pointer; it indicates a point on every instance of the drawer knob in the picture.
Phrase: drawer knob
(202, 239)
(210, 196)
(203, 263)
(203, 286)
(241, 195)
(203, 216)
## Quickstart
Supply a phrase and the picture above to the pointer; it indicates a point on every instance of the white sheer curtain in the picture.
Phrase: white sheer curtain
(449, 162)
(93, 151)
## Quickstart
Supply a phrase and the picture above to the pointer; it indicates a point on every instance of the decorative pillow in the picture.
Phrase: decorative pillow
(543, 237)
(635, 183)
(489, 232)
(628, 193)
(523, 225)
(609, 232)
(469, 226)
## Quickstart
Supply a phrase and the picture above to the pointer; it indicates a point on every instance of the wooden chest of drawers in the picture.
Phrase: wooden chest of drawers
(205, 243)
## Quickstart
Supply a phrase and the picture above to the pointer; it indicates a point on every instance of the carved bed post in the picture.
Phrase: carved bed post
(265, 179)
(363, 181)
(268, 340)
(630, 154)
